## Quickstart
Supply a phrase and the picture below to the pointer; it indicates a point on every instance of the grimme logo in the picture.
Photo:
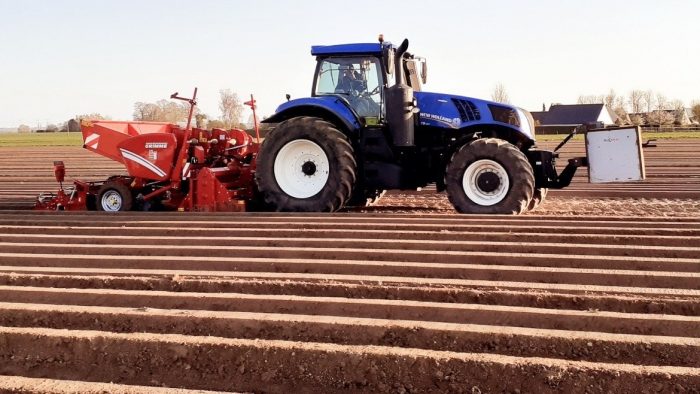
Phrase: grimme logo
(156, 145)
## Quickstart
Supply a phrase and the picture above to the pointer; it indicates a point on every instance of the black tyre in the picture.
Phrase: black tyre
(489, 176)
(306, 165)
(537, 198)
(114, 196)
(365, 197)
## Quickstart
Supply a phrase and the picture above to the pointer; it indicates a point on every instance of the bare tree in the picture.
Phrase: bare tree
(636, 101)
(648, 100)
(500, 95)
(146, 111)
(610, 99)
(695, 110)
(174, 112)
(231, 108)
(162, 111)
(215, 124)
(679, 114)
(94, 116)
(676, 105)
(661, 102)
(618, 107)
(201, 121)
(660, 117)
(23, 128)
(637, 119)
(590, 99)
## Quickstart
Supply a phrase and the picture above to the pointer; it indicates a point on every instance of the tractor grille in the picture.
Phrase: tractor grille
(504, 115)
(467, 110)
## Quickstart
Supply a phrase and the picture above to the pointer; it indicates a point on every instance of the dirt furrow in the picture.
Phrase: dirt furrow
(313, 233)
(464, 338)
(210, 363)
(22, 385)
(354, 246)
(309, 264)
(612, 322)
(633, 300)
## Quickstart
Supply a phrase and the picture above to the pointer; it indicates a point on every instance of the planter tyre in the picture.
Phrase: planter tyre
(306, 165)
(489, 176)
(114, 197)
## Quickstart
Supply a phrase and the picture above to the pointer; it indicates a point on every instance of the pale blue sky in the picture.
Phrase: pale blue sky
(62, 58)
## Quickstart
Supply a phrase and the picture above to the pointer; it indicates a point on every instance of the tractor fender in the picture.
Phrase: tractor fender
(334, 109)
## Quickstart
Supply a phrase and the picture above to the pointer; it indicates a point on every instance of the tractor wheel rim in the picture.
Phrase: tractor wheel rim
(301, 168)
(485, 182)
(112, 201)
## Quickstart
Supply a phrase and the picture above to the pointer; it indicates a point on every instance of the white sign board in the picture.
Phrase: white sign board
(615, 155)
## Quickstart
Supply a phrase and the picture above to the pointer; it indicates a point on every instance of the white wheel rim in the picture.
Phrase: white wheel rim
(112, 201)
(478, 182)
(301, 168)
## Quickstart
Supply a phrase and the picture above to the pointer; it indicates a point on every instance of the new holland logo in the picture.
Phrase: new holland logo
(156, 145)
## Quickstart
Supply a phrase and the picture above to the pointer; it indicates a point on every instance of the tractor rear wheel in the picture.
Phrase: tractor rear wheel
(306, 165)
(114, 196)
(489, 176)
(537, 198)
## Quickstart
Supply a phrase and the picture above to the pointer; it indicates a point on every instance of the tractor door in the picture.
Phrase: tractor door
(359, 80)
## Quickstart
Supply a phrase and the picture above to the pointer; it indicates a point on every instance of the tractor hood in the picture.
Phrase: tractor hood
(456, 112)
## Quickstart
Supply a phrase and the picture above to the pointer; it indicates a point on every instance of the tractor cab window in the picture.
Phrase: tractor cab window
(357, 79)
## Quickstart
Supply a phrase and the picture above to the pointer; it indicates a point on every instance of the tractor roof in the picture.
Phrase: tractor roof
(349, 49)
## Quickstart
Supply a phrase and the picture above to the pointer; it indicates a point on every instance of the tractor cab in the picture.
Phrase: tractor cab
(359, 80)
(360, 73)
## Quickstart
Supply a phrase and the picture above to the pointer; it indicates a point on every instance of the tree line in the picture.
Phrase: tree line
(230, 107)
(643, 106)
(637, 107)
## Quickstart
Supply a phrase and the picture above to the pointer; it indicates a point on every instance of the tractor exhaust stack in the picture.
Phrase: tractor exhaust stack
(400, 104)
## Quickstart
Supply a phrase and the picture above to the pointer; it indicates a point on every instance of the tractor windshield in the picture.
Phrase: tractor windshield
(358, 79)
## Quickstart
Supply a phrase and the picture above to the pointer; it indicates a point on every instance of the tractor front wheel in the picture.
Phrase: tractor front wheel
(114, 196)
(306, 165)
(489, 176)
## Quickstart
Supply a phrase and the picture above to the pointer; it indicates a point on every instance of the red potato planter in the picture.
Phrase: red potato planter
(168, 167)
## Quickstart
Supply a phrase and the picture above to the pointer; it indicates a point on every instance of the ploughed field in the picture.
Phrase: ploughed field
(596, 291)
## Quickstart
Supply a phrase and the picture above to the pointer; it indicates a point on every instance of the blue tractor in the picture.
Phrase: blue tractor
(368, 127)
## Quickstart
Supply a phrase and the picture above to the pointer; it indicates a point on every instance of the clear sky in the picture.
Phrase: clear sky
(68, 57)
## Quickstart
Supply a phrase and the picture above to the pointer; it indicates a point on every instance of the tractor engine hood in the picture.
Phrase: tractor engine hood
(456, 112)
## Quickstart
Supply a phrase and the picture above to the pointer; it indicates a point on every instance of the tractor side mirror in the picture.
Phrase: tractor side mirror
(424, 71)
(389, 60)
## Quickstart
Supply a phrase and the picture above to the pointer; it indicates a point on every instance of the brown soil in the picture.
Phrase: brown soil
(596, 291)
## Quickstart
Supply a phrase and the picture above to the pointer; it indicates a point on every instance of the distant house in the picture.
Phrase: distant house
(681, 116)
(691, 116)
(564, 118)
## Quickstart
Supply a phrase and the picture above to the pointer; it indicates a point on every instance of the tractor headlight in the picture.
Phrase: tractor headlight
(527, 123)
